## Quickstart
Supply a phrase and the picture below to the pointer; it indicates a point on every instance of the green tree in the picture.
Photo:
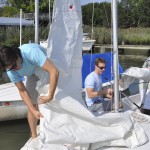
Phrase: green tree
(101, 13)
(144, 11)
(28, 6)
(8, 11)
(130, 13)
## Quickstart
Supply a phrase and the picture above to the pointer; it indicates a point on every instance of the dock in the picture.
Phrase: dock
(121, 48)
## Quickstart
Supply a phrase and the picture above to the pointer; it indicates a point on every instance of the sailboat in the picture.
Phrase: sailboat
(87, 43)
(67, 124)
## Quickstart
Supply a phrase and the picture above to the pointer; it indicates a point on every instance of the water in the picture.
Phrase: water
(14, 134)
(128, 61)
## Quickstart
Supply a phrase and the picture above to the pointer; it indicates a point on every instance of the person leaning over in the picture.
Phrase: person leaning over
(23, 61)
(93, 86)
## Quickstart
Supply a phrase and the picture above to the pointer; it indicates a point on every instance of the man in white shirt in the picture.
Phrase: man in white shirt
(93, 85)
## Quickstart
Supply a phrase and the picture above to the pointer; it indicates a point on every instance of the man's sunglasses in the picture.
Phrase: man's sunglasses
(101, 68)
(13, 67)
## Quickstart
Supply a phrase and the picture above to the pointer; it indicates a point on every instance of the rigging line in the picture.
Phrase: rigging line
(111, 35)
(106, 14)
(92, 20)
(92, 36)
(111, 38)
(91, 61)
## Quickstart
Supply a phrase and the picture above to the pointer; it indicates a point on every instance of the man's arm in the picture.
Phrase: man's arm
(26, 98)
(53, 74)
(92, 94)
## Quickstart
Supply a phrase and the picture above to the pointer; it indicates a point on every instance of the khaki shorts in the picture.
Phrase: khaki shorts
(101, 105)
(31, 88)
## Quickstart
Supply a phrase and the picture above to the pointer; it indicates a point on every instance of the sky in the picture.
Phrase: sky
(84, 2)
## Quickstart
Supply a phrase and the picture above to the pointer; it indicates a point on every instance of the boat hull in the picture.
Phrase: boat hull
(87, 44)
(11, 105)
(12, 112)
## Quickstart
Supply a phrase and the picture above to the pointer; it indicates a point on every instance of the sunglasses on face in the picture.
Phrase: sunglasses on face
(101, 68)
(13, 67)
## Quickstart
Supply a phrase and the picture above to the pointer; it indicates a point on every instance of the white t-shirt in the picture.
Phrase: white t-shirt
(94, 81)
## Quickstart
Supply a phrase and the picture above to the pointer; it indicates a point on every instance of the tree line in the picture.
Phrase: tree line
(28, 6)
(131, 13)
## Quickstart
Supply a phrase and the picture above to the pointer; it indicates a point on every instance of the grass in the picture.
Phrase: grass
(130, 36)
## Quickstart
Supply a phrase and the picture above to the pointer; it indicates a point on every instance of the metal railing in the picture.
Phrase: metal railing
(31, 16)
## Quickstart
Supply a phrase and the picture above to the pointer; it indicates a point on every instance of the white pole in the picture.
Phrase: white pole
(49, 12)
(36, 21)
(115, 50)
(20, 27)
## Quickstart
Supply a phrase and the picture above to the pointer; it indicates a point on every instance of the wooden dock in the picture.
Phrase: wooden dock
(124, 46)
(121, 48)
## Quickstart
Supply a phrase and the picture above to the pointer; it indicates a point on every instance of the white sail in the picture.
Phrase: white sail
(65, 45)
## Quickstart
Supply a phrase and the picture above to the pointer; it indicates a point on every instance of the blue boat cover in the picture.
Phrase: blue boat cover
(88, 66)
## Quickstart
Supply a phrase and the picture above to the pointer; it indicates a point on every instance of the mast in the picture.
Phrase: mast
(20, 27)
(36, 21)
(115, 56)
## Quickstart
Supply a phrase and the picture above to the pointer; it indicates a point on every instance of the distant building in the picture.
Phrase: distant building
(4, 3)
(7, 21)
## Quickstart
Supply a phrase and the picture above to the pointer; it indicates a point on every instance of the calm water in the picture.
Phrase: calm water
(127, 61)
(14, 134)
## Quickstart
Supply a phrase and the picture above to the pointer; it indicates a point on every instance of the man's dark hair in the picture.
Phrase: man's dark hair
(8, 56)
(99, 60)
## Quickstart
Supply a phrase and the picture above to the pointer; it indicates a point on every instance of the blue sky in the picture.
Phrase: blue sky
(83, 2)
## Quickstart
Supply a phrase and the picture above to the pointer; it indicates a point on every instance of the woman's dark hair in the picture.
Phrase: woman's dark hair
(8, 56)
(99, 60)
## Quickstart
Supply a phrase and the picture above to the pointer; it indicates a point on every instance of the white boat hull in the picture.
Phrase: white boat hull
(86, 44)
(12, 112)
(11, 105)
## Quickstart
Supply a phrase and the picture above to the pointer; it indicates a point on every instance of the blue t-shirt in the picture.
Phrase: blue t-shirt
(93, 81)
(33, 55)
